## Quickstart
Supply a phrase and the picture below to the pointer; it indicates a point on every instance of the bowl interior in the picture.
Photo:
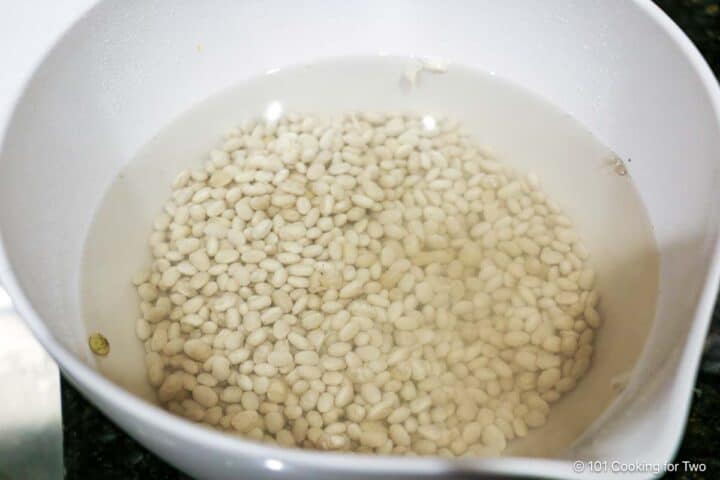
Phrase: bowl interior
(127, 69)
(521, 130)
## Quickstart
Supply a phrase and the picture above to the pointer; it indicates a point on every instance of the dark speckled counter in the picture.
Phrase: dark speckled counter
(96, 448)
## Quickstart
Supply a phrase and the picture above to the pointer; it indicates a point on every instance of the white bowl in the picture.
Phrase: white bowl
(125, 69)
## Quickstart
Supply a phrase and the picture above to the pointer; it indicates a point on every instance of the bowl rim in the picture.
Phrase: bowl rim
(272, 457)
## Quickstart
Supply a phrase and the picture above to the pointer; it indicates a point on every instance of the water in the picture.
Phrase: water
(578, 172)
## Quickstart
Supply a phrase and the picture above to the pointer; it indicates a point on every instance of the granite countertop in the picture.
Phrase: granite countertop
(96, 448)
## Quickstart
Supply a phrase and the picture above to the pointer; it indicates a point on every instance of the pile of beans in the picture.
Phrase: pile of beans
(371, 283)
